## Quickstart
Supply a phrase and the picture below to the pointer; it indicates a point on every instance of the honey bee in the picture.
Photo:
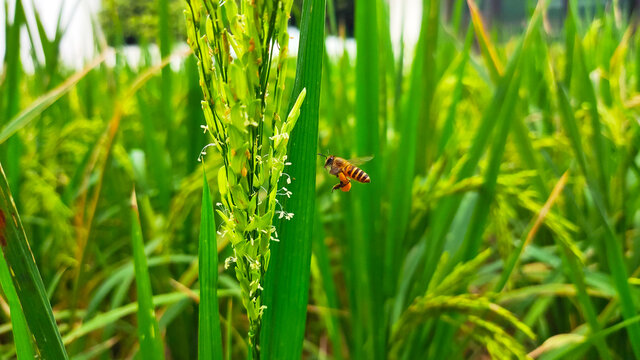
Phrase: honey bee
(345, 169)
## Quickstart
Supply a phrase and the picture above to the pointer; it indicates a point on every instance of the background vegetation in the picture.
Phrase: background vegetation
(502, 218)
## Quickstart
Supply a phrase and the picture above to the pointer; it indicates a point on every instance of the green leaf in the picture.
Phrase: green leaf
(26, 278)
(164, 37)
(287, 279)
(209, 336)
(148, 330)
(367, 246)
(21, 336)
(323, 261)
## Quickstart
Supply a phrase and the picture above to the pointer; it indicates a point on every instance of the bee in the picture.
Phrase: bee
(345, 169)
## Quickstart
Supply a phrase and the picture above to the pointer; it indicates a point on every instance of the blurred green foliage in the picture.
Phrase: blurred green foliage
(136, 22)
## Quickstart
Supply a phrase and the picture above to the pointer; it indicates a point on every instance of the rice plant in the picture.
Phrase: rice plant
(173, 206)
(247, 129)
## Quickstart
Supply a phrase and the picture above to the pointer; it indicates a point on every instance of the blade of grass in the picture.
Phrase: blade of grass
(449, 124)
(637, 60)
(13, 70)
(26, 278)
(612, 246)
(95, 351)
(21, 335)
(194, 112)
(331, 14)
(530, 233)
(457, 16)
(426, 126)
(405, 158)
(158, 165)
(486, 46)
(600, 335)
(321, 253)
(166, 123)
(589, 96)
(228, 330)
(148, 330)
(209, 335)
(50, 47)
(522, 139)
(385, 77)
(11, 86)
(367, 249)
(124, 275)
(287, 280)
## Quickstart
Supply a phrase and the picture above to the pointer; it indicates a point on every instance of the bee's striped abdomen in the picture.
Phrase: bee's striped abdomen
(357, 174)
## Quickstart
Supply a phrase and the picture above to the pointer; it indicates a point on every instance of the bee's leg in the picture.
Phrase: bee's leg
(344, 181)
(343, 178)
(346, 187)
(342, 186)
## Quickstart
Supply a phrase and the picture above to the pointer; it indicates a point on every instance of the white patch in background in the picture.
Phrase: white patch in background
(78, 44)
(76, 47)
(405, 15)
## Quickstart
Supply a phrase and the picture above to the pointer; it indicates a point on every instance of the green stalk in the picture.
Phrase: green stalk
(368, 245)
(457, 16)
(166, 124)
(287, 281)
(11, 152)
(426, 127)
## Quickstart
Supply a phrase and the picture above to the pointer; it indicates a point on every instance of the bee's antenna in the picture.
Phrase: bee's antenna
(320, 154)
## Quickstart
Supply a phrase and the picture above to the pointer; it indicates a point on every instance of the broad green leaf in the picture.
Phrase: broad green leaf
(21, 335)
(287, 279)
(26, 278)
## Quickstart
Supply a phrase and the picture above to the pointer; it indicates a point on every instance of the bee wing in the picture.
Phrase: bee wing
(360, 160)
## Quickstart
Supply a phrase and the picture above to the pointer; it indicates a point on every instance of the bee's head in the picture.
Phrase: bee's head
(329, 161)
